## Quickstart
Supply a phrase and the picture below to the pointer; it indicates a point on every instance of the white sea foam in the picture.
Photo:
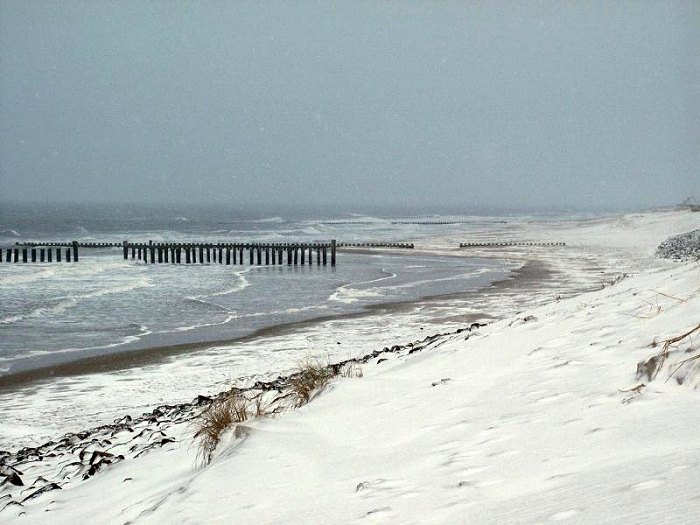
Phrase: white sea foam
(349, 293)
(64, 303)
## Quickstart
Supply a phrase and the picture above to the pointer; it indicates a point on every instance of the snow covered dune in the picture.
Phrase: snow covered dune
(544, 416)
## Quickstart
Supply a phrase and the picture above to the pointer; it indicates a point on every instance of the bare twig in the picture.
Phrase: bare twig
(673, 340)
(672, 297)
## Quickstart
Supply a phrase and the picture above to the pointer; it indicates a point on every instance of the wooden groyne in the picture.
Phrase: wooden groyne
(69, 244)
(427, 222)
(507, 243)
(402, 245)
(232, 253)
(41, 253)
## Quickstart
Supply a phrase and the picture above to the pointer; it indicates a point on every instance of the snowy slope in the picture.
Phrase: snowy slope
(538, 417)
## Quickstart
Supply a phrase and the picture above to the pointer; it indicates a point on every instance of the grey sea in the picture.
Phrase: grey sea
(60, 313)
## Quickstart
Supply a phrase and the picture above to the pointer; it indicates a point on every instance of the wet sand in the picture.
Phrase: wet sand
(529, 275)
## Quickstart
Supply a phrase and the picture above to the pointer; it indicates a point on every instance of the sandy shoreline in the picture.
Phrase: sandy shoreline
(531, 271)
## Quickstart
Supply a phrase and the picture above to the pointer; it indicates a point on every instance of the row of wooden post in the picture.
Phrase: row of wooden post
(267, 254)
(41, 255)
(507, 243)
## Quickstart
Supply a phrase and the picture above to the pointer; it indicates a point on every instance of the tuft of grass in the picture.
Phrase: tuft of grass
(352, 369)
(652, 366)
(309, 378)
(262, 407)
(220, 416)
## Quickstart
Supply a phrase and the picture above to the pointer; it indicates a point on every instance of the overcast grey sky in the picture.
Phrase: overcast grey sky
(488, 103)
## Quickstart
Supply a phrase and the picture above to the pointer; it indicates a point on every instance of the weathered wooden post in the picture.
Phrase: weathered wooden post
(187, 255)
(267, 256)
(126, 250)
(289, 254)
(178, 254)
(133, 252)
(50, 254)
(318, 256)
(42, 255)
(303, 258)
(33, 250)
(160, 254)
(258, 251)
(325, 255)
(67, 255)
(333, 252)
(24, 255)
(208, 254)
(152, 250)
(58, 255)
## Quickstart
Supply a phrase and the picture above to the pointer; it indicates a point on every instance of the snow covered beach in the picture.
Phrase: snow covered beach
(538, 416)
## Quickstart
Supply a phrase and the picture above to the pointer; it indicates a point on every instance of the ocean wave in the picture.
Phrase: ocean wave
(9, 233)
(23, 278)
(459, 277)
(349, 294)
(65, 303)
(242, 284)
(88, 350)
(202, 325)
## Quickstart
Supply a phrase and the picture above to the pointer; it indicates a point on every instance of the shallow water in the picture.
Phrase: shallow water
(62, 312)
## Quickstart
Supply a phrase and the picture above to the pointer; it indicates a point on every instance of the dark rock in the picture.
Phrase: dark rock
(71, 469)
(42, 490)
(11, 475)
(11, 503)
(202, 400)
